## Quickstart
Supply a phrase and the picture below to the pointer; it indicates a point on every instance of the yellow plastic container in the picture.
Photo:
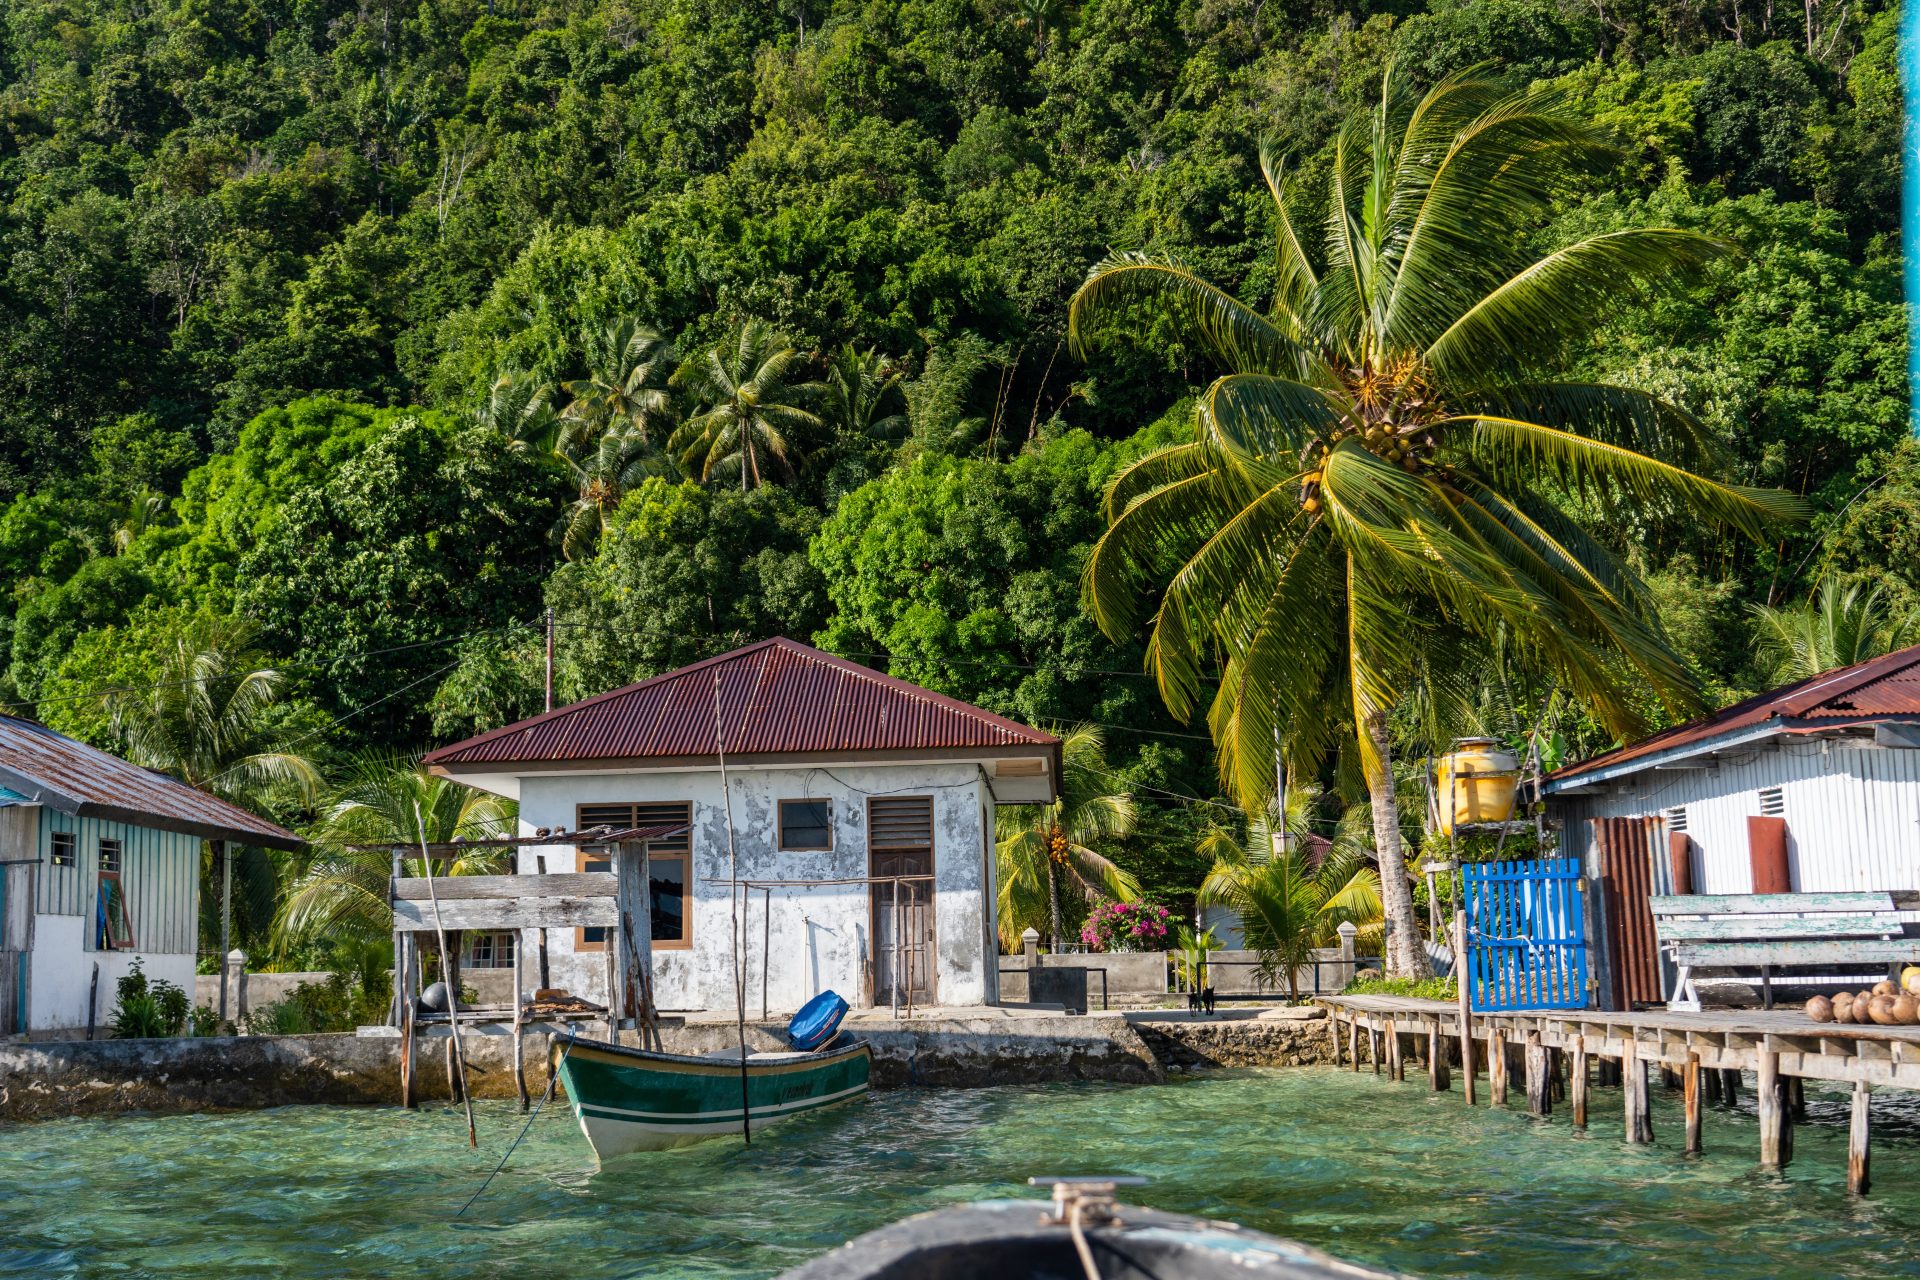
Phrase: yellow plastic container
(1476, 782)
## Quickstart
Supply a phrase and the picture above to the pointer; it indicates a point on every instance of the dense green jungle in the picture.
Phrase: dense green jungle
(341, 340)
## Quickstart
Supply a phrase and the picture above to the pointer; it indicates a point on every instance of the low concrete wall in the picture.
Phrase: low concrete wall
(489, 986)
(1131, 975)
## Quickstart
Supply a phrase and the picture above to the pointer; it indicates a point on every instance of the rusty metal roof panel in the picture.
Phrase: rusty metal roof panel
(52, 769)
(777, 697)
(1883, 688)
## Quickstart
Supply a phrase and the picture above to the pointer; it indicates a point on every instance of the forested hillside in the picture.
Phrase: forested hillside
(315, 313)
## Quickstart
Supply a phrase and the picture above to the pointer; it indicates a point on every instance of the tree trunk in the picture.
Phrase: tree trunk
(1053, 903)
(1406, 958)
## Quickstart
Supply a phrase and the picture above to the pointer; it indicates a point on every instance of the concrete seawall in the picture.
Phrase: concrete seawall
(68, 1078)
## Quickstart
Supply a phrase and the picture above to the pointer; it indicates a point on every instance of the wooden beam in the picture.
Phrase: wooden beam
(584, 884)
(1707, 904)
(522, 913)
(1767, 928)
(1693, 1104)
(1750, 954)
(1858, 1179)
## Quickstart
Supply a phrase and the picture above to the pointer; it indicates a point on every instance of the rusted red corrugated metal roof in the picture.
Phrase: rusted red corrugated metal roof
(1883, 688)
(52, 769)
(776, 697)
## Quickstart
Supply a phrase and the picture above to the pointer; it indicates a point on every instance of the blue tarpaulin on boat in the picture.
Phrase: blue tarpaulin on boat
(817, 1021)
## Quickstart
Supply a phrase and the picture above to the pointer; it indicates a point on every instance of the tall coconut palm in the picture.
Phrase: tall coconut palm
(860, 398)
(1289, 903)
(1041, 846)
(212, 718)
(340, 889)
(749, 415)
(1378, 464)
(626, 388)
(1836, 627)
(520, 407)
(604, 470)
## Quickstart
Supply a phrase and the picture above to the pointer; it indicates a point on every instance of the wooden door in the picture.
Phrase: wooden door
(899, 849)
(19, 836)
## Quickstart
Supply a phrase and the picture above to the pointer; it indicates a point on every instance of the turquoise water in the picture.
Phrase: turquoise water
(1373, 1171)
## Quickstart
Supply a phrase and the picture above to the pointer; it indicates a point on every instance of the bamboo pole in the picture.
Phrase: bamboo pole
(457, 1057)
(404, 981)
(734, 895)
(1467, 1081)
(1692, 1086)
(519, 1035)
(1858, 1126)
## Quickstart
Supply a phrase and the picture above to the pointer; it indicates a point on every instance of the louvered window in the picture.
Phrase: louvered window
(1773, 802)
(668, 872)
(1677, 818)
(900, 822)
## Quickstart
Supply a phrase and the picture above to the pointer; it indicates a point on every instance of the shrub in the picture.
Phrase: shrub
(148, 1008)
(1128, 926)
(1371, 982)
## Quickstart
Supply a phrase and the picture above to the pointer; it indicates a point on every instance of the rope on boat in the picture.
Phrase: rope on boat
(553, 1080)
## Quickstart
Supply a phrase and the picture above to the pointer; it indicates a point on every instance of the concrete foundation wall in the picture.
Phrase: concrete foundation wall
(60, 975)
(820, 937)
(44, 1081)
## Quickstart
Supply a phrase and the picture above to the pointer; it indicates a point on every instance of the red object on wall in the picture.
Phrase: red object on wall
(1767, 851)
(1680, 854)
(1626, 882)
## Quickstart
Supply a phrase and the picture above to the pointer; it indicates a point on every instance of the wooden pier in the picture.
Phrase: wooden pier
(1703, 1053)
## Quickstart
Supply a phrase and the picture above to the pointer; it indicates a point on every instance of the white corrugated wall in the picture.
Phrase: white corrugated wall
(1852, 813)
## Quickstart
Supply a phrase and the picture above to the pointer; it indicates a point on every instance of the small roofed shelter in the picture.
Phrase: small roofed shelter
(1809, 788)
(854, 838)
(99, 864)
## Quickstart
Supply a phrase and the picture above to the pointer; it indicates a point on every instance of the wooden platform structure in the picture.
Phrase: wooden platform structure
(1706, 1052)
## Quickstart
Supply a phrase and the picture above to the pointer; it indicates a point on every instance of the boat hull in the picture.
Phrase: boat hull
(630, 1100)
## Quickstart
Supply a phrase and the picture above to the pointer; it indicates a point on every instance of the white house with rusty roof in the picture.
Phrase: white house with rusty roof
(99, 869)
(854, 837)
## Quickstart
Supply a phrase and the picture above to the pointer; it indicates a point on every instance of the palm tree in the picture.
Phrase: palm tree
(1835, 628)
(520, 407)
(860, 398)
(1288, 903)
(605, 470)
(1041, 845)
(341, 887)
(626, 387)
(1372, 474)
(145, 510)
(748, 406)
(212, 719)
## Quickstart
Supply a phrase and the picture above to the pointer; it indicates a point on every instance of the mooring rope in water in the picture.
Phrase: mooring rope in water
(553, 1081)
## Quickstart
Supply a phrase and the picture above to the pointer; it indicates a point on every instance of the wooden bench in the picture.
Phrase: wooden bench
(1766, 931)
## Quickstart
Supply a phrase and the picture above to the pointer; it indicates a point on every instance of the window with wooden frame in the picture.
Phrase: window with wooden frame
(66, 849)
(806, 824)
(669, 870)
(113, 923)
(900, 823)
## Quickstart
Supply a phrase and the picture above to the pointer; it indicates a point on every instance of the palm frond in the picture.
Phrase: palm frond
(1236, 335)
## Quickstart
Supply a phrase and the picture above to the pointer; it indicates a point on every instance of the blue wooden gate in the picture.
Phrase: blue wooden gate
(1526, 935)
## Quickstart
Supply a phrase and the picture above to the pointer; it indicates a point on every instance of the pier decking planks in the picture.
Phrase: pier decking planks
(1781, 1047)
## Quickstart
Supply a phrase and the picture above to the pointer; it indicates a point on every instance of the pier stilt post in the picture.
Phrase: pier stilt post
(1578, 1082)
(1729, 1086)
(1796, 1100)
(1710, 1087)
(1439, 1078)
(1539, 1090)
(519, 1036)
(1639, 1106)
(1353, 1041)
(1373, 1045)
(1466, 1009)
(456, 1087)
(1776, 1131)
(1692, 1085)
(1333, 1026)
(1396, 1052)
(1608, 1073)
(1557, 1075)
(1858, 1180)
(404, 979)
(1497, 1067)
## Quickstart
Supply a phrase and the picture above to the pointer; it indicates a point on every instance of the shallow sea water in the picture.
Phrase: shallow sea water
(1375, 1172)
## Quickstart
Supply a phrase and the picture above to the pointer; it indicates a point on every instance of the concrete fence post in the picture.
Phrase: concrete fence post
(1030, 947)
(236, 982)
(1347, 931)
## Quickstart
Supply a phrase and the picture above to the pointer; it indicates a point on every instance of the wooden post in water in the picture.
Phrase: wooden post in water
(1497, 1066)
(1438, 1077)
(1639, 1106)
(1396, 1052)
(1857, 1128)
(1539, 1086)
(1467, 1082)
(1578, 1083)
(1730, 1086)
(1776, 1133)
(1373, 1045)
(1796, 1099)
(403, 984)
(1692, 1084)
(1353, 1040)
(1710, 1087)
(1333, 1026)
(519, 1035)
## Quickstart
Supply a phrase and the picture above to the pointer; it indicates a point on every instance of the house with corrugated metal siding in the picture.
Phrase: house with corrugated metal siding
(99, 868)
(1814, 787)
(850, 848)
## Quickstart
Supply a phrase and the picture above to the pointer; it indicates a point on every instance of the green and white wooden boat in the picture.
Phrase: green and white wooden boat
(633, 1100)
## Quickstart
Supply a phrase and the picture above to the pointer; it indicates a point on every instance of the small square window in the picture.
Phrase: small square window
(65, 847)
(109, 855)
(806, 824)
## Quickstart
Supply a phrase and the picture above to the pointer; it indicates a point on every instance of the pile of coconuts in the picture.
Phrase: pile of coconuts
(1888, 1004)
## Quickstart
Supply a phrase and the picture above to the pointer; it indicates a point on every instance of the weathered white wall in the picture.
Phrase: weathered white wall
(1852, 813)
(61, 973)
(820, 936)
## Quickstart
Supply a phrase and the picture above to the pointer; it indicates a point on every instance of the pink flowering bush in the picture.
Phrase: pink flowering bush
(1128, 926)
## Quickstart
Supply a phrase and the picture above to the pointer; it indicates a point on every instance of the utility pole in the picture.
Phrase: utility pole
(549, 659)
